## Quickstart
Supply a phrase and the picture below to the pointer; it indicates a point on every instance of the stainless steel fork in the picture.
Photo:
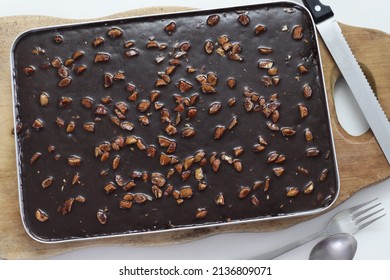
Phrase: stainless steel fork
(350, 221)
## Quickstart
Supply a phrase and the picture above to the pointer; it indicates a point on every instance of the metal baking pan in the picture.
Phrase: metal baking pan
(172, 121)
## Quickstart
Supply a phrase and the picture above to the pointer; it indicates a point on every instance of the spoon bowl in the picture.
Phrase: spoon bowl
(341, 246)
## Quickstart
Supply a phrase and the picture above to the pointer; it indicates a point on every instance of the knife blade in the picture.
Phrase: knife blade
(338, 47)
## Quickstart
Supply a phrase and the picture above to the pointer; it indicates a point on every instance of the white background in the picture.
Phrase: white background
(373, 242)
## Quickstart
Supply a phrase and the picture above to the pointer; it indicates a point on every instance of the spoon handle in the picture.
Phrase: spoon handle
(288, 247)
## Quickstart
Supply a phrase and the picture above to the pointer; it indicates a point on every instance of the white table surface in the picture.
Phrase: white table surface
(373, 242)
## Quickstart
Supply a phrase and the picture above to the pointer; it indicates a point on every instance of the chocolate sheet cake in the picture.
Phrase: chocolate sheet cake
(171, 121)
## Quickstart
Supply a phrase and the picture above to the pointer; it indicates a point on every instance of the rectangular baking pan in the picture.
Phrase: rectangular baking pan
(171, 121)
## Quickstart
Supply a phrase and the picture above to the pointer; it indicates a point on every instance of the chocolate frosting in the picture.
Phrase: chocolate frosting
(276, 161)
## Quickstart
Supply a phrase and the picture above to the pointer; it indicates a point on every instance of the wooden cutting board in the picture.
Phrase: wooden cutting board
(361, 162)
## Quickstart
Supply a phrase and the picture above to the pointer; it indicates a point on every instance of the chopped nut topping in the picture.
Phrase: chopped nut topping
(38, 124)
(324, 175)
(87, 102)
(28, 71)
(47, 182)
(184, 86)
(243, 19)
(213, 20)
(201, 213)
(259, 29)
(308, 188)
(102, 57)
(188, 132)
(158, 179)
(220, 199)
(98, 41)
(219, 131)
(35, 157)
(115, 32)
(64, 82)
(74, 161)
(215, 107)
(244, 191)
(233, 122)
(287, 131)
(41, 216)
(307, 91)
(297, 32)
(292, 191)
(312, 152)
(278, 171)
(143, 105)
(265, 63)
(231, 83)
(185, 192)
(209, 47)
(255, 201)
(170, 27)
(110, 188)
(303, 111)
(237, 164)
(66, 206)
(308, 135)
(265, 50)
(101, 216)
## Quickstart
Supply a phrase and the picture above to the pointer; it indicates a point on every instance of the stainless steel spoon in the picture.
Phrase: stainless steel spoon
(341, 246)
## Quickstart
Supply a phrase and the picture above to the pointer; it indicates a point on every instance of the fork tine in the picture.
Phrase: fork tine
(367, 216)
(370, 222)
(354, 208)
(361, 212)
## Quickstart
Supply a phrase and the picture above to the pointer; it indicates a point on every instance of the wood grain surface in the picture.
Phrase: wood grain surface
(361, 162)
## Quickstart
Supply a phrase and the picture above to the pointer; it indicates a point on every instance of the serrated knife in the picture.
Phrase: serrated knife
(331, 34)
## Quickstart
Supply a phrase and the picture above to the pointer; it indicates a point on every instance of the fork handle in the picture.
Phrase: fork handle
(288, 247)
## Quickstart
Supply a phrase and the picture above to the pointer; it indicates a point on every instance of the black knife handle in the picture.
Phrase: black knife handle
(318, 11)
